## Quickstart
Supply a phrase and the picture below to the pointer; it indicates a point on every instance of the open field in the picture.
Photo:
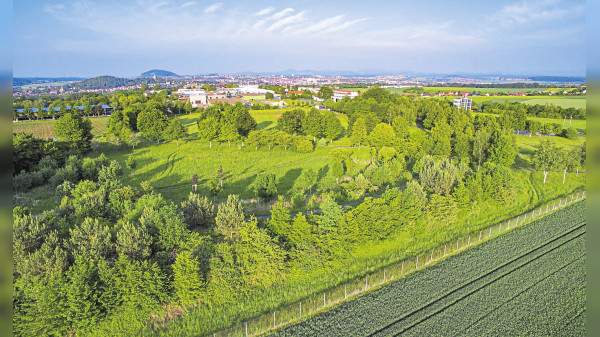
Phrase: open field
(529, 281)
(580, 124)
(45, 128)
(563, 101)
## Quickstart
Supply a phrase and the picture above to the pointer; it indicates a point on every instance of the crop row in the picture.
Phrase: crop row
(370, 312)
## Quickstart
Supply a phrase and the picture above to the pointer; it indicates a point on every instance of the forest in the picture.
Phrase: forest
(119, 259)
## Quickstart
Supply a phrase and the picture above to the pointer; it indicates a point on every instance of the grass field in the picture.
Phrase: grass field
(529, 281)
(45, 128)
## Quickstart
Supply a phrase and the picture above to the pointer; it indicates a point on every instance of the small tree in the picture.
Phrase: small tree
(310, 178)
(359, 132)
(195, 181)
(220, 175)
(265, 186)
(337, 170)
(230, 217)
(545, 157)
(175, 131)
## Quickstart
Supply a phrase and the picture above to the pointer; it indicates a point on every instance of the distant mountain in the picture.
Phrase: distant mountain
(103, 82)
(159, 73)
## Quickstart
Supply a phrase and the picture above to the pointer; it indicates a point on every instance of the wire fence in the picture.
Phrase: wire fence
(318, 302)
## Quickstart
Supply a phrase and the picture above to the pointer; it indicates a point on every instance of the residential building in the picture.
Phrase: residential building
(338, 95)
(463, 103)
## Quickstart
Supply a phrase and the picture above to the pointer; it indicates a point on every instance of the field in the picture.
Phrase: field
(45, 128)
(529, 281)
(563, 101)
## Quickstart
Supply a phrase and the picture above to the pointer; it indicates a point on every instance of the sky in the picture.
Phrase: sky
(87, 38)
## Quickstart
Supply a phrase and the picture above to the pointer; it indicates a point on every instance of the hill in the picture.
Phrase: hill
(158, 73)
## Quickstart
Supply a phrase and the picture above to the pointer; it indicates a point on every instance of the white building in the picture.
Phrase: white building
(338, 95)
(463, 103)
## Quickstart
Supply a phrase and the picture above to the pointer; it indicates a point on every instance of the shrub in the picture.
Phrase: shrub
(265, 186)
(130, 163)
(304, 145)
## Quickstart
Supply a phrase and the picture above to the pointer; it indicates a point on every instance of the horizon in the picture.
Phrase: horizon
(513, 38)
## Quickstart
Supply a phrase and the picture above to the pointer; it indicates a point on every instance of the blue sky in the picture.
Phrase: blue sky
(125, 38)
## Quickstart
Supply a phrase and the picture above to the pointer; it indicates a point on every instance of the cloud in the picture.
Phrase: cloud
(281, 14)
(290, 20)
(187, 4)
(213, 8)
(537, 11)
(265, 11)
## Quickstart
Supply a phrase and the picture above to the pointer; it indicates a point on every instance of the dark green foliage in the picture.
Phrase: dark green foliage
(198, 211)
(570, 133)
(230, 217)
(133, 241)
(313, 124)
(152, 122)
(439, 176)
(503, 149)
(73, 129)
(291, 121)
(175, 131)
(265, 186)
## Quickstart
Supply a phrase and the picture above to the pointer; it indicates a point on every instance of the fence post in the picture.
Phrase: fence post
(469, 242)
(384, 275)
(402, 268)
(540, 213)
(517, 220)
(456, 244)
(430, 258)
(345, 290)
(500, 228)
(324, 299)
(274, 319)
(508, 224)
(444, 250)
(490, 235)
(480, 235)
(547, 208)
(417, 264)
(554, 205)
(246, 329)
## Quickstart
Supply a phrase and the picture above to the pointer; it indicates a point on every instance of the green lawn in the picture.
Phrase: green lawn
(45, 128)
(169, 168)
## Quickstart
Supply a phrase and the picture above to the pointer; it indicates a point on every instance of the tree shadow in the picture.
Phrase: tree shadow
(322, 173)
(263, 125)
(286, 183)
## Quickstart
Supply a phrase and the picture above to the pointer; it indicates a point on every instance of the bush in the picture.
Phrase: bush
(298, 199)
(64, 189)
(570, 133)
(22, 182)
(130, 163)
(304, 145)
(68, 173)
(265, 186)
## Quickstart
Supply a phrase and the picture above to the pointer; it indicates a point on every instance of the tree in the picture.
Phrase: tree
(244, 122)
(383, 135)
(441, 136)
(503, 149)
(152, 123)
(312, 124)
(401, 127)
(545, 157)
(359, 132)
(309, 176)
(269, 95)
(438, 176)
(265, 186)
(337, 170)
(325, 92)
(291, 121)
(187, 280)
(73, 128)
(229, 132)
(480, 146)
(197, 211)
(209, 129)
(568, 160)
(220, 175)
(230, 217)
(91, 239)
(175, 131)
(533, 127)
(333, 126)
(331, 215)
(134, 241)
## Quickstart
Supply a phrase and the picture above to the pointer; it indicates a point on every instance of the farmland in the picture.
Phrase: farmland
(576, 102)
(45, 128)
(530, 281)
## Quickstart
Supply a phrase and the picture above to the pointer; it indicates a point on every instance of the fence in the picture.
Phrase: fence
(281, 317)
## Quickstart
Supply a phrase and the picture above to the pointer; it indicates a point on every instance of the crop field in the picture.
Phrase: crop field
(529, 281)
(563, 101)
(45, 128)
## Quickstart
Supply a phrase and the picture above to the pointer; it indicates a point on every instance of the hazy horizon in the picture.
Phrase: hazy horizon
(88, 39)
